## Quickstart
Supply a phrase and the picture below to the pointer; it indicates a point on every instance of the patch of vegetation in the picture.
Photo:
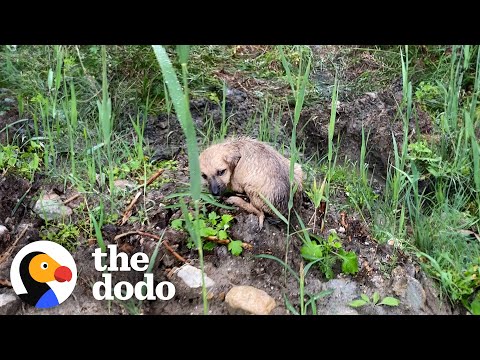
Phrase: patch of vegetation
(25, 162)
(63, 234)
(327, 252)
(212, 228)
(433, 185)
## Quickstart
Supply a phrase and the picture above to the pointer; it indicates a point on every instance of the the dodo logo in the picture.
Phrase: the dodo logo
(43, 274)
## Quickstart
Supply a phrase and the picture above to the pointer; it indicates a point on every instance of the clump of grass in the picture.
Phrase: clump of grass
(432, 186)
(316, 196)
(182, 109)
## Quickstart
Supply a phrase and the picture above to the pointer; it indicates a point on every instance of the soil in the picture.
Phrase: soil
(374, 111)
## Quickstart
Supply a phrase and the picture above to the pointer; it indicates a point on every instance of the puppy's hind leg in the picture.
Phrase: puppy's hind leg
(238, 201)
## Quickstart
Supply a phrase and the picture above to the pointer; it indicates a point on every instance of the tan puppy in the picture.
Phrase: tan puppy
(250, 167)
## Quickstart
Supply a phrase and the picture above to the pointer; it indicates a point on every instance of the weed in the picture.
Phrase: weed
(24, 162)
(66, 235)
(315, 194)
(212, 227)
(327, 252)
(365, 300)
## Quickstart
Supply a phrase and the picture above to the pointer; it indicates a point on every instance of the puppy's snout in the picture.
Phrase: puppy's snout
(214, 188)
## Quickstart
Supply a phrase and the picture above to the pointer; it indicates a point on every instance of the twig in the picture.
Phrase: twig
(70, 199)
(153, 236)
(7, 253)
(154, 177)
(215, 239)
(174, 253)
(128, 211)
(342, 220)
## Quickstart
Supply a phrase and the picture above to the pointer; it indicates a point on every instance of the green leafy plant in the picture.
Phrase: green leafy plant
(24, 162)
(211, 226)
(66, 235)
(364, 300)
(430, 96)
(327, 253)
(475, 305)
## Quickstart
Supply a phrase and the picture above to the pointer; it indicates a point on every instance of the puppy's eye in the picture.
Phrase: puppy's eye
(221, 172)
(204, 176)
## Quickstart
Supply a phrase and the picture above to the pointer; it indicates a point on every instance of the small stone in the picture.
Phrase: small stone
(415, 296)
(124, 184)
(50, 207)
(192, 277)
(163, 125)
(391, 242)
(3, 230)
(249, 300)
(5, 238)
(344, 291)
(408, 289)
(9, 304)
(8, 101)
(341, 230)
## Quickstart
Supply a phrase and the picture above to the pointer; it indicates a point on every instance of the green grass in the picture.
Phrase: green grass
(89, 106)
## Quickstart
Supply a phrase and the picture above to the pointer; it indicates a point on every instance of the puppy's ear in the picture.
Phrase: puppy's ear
(232, 159)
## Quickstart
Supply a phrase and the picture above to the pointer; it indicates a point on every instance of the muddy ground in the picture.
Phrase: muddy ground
(382, 268)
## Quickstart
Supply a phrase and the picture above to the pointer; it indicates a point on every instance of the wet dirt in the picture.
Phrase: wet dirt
(376, 112)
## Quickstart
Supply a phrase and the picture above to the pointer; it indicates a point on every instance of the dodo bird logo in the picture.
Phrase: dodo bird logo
(43, 274)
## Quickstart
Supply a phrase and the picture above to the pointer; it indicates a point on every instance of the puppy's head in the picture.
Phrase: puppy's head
(217, 164)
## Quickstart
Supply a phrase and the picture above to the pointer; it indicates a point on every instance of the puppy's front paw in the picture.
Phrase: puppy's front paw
(232, 200)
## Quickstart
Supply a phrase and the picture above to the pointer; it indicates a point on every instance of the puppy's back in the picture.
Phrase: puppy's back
(266, 171)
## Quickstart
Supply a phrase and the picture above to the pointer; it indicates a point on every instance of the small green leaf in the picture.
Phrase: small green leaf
(226, 218)
(209, 245)
(222, 235)
(311, 251)
(350, 263)
(357, 303)
(235, 247)
(207, 231)
(365, 297)
(177, 224)
(475, 306)
(390, 301)
(329, 273)
(213, 218)
(376, 297)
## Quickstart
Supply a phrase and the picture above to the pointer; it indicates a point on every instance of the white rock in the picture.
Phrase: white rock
(192, 277)
(332, 231)
(124, 184)
(3, 230)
